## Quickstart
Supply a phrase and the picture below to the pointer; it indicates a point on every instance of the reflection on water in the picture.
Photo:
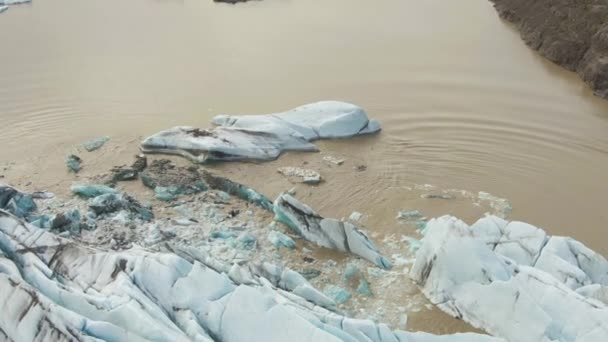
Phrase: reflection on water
(464, 104)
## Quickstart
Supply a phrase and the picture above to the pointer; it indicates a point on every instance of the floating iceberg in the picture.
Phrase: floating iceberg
(513, 280)
(263, 137)
(54, 289)
(330, 233)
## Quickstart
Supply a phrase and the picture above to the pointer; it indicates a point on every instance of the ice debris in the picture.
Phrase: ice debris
(338, 294)
(296, 174)
(410, 214)
(91, 190)
(438, 196)
(74, 163)
(355, 216)
(3, 8)
(329, 233)
(95, 144)
(279, 240)
(170, 181)
(333, 160)
(263, 137)
(18, 203)
(115, 202)
(513, 280)
(67, 222)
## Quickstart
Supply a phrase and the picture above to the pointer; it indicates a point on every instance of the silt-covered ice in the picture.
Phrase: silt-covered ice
(263, 137)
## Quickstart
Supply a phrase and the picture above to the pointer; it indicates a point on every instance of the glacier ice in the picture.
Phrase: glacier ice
(513, 280)
(329, 233)
(263, 137)
(54, 289)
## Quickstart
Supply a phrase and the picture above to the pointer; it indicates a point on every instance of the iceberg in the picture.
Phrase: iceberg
(329, 233)
(56, 289)
(263, 137)
(513, 280)
(3, 8)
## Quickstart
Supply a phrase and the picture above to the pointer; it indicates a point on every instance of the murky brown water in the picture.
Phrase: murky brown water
(464, 104)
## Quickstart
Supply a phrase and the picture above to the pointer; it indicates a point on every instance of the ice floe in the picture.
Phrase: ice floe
(513, 280)
(263, 137)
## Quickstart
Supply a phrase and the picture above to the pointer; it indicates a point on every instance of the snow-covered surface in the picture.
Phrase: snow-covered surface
(263, 137)
(330, 233)
(513, 280)
(54, 289)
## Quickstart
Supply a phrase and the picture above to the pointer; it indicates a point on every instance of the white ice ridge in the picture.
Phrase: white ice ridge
(513, 280)
(54, 289)
(5, 3)
(326, 232)
(263, 137)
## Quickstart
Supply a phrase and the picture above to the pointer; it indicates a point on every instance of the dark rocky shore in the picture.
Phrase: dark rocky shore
(572, 34)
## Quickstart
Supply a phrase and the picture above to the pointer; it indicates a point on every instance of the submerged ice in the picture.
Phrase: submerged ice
(263, 137)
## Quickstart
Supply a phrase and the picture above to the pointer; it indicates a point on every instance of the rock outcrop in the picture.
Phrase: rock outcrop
(572, 34)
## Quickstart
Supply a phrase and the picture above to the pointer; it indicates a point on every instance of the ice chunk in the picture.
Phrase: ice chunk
(18, 203)
(338, 294)
(329, 233)
(355, 216)
(263, 137)
(74, 163)
(245, 241)
(279, 240)
(333, 160)
(95, 144)
(92, 190)
(111, 203)
(501, 290)
(3, 8)
(305, 176)
(410, 214)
